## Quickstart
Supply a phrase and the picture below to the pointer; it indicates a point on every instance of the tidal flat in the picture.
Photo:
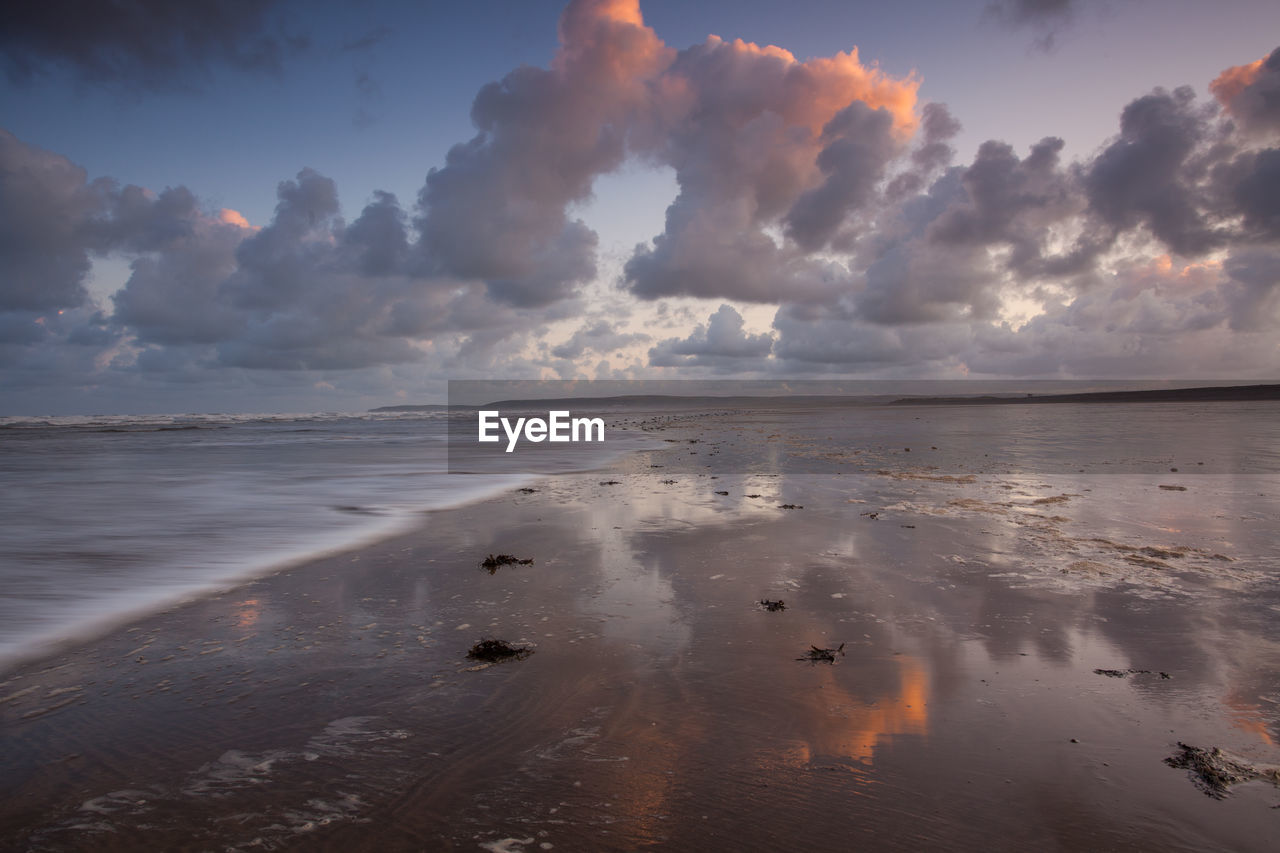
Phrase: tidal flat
(1021, 633)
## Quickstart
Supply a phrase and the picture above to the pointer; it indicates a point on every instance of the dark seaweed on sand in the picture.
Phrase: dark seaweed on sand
(1121, 673)
(1214, 772)
(789, 506)
(817, 655)
(493, 651)
(773, 606)
(493, 563)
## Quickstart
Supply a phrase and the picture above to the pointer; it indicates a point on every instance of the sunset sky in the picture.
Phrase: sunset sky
(287, 206)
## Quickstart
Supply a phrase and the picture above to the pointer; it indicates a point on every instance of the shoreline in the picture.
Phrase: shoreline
(86, 619)
(63, 640)
(331, 705)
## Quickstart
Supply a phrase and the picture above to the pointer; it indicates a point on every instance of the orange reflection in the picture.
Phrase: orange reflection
(849, 727)
(860, 727)
(248, 612)
(1248, 718)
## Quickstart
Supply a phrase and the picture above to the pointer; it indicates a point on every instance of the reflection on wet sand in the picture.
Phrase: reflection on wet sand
(848, 727)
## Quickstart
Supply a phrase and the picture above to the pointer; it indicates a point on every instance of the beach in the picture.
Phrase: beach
(1013, 652)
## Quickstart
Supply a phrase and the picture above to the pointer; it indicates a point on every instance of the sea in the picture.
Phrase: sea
(108, 517)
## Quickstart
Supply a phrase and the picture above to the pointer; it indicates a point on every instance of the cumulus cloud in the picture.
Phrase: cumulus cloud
(1251, 93)
(722, 343)
(496, 211)
(305, 292)
(1146, 176)
(46, 206)
(156, 44)
(761, 143)
(600, 336)
(820, 187)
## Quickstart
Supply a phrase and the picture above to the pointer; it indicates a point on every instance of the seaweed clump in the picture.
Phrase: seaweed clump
(817, 655)
(1121, 673)
(494, 651)
(493, 563)
(773, 606)
(1214, 772)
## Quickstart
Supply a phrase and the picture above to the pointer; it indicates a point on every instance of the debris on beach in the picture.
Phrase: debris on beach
(611, 482)
(1172, 488)
(721, 493)
(1215, 772)
(1122, 673)
(872, 515)
(751, 496)
(493, 563)
(789, 506)
(526, 491)
(357, 510)
(963, 479)
(668, 482)
(773, 606)
(493, 651)
(817, 655)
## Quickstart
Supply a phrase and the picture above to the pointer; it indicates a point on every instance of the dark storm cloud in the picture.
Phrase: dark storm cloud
(155, 44)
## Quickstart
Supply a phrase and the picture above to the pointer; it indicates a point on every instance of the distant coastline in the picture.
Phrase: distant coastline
(1223, 394)
(1204, 394)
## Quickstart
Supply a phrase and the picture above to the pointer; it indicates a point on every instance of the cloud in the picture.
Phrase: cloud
(599, 336)
(1251, 93)
(496, 211)
(1047, 18)
(722, 342)
(1148, 175)
(305, 292)
(761, 143)
(46, 206)
(154, 44)
(821, 188)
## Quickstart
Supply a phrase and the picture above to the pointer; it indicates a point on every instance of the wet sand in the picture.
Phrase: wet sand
(331, 706)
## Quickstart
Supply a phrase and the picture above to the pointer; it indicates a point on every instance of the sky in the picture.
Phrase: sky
(267, 205)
